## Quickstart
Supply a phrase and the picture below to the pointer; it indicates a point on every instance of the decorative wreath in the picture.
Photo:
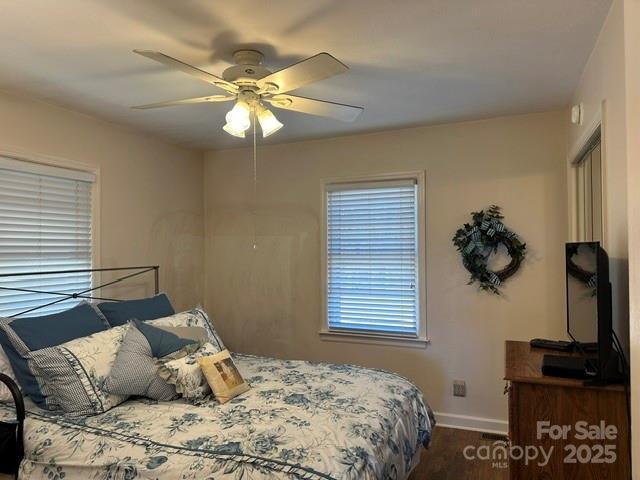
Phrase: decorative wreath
(478, 240)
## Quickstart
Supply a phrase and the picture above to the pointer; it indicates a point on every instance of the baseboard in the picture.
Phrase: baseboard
(465, 422)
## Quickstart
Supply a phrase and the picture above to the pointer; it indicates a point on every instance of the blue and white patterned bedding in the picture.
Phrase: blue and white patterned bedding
(299, 420)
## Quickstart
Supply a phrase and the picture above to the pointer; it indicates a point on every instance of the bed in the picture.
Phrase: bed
(299, 420)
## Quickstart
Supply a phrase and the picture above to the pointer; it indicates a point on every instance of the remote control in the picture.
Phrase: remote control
(559, 345)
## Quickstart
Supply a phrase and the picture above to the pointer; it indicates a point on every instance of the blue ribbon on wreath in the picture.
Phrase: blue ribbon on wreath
(491, 226)
(474, 241)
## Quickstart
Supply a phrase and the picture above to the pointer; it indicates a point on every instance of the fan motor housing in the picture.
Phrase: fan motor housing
(247, 69)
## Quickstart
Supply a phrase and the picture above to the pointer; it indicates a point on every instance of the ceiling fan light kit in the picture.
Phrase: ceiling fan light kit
(268, 121)
(239, 117)
(232, 130)
(250, 85)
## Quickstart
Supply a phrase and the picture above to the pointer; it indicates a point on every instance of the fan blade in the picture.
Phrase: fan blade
(322, 108)
(307, 71)
(188, 69)
(187, 101)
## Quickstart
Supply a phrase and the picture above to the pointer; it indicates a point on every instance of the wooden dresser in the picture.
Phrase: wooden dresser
(563, 403)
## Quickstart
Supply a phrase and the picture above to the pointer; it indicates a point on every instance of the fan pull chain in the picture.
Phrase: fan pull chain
(255, 182)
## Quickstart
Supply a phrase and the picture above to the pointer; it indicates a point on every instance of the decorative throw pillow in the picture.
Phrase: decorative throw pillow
(186, 375)
(135, 371)
(19, 336)
(119, 313)
(191, 318)
(222, 376)
(76, 371)
(165, 340)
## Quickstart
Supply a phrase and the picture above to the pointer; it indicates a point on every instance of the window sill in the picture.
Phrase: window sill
(373, 339)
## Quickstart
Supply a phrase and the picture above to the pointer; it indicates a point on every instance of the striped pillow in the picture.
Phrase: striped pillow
(135, 371)
(76, 371)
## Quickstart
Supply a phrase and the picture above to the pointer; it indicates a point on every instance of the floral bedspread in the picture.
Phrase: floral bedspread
(299, 420)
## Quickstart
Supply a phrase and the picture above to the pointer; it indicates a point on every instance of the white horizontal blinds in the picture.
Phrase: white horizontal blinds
(372, 255)
(45, 225)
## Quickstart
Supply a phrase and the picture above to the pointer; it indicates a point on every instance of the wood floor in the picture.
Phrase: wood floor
(444, 459)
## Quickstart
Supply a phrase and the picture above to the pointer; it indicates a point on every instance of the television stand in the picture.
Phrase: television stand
(535, 398)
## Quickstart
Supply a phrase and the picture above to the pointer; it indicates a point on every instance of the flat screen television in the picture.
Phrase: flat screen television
(589, 322)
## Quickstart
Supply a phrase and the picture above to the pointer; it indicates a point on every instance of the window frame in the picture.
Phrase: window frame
(419, 340)
(38, 159)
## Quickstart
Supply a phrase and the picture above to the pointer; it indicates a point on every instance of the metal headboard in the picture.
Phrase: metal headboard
(85, 294)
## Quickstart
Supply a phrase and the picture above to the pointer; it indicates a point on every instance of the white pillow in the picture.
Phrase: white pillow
(191, 318)
(186, 375)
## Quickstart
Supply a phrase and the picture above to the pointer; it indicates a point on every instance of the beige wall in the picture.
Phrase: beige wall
(632, 57)
(267, 301)
(603, 81)
(150, 192)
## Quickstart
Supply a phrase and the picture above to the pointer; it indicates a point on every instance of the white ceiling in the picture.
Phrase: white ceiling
(412, 61)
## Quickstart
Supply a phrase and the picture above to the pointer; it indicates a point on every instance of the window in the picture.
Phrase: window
(588, 181)
(374, 257)
(45, 225)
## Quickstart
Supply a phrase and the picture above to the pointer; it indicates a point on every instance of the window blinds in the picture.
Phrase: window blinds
(372, 255)
(45, 225)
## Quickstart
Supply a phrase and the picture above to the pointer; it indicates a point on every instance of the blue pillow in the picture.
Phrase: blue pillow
(22, 335)
(119, 313)
(161, 342)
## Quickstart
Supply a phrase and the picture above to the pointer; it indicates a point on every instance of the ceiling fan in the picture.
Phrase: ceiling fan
(251, 85)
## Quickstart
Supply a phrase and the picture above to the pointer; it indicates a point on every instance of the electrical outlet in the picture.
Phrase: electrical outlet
(459, 388)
